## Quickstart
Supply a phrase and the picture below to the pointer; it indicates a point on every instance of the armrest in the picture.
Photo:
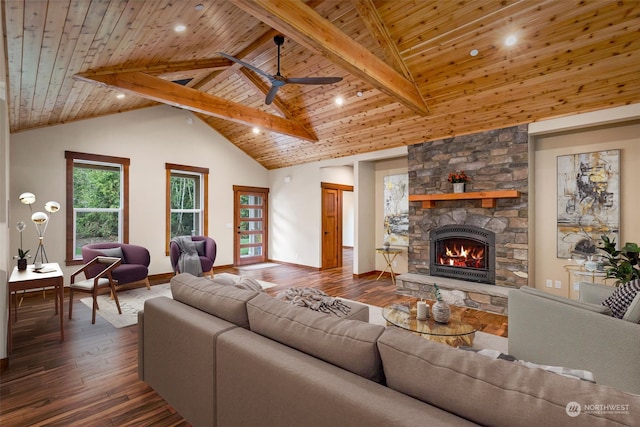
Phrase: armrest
(110, 262)
(593, 293)
(550, 332)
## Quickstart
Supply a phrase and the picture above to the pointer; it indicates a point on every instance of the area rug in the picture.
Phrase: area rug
(133, 301)
(258, 266)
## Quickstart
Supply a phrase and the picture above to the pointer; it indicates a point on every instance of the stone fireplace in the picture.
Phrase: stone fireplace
(463, 252)
(495, 160)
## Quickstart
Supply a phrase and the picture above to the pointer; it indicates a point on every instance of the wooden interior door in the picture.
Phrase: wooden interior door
(332, 224)
(251, 225)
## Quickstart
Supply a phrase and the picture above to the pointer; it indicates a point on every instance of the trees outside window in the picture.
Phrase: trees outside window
(97, 192)
(187, 189)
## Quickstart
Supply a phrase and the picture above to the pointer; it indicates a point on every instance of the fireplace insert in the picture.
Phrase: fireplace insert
(463, 252)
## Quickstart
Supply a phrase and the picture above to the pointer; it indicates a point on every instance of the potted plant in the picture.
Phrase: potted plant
(621, 264)
(22, 259)
(440, 309)
(458, 179)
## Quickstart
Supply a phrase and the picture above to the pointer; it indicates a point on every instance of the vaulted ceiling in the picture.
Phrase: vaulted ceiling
(413, 71)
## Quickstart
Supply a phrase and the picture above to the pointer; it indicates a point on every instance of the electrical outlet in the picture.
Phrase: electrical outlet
(558, 284)
(549, 283)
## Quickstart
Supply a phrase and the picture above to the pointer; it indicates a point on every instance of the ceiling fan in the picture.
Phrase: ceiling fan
(278, 80)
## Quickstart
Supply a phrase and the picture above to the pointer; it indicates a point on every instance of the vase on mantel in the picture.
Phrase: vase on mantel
(458, 187)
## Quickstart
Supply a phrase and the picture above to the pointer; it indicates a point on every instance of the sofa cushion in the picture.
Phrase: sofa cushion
(349, 344)
(622, 297)
(225, 302)
(491, 392)
(113, 252)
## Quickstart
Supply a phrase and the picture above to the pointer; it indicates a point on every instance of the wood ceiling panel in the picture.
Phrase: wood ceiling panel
(573, 56)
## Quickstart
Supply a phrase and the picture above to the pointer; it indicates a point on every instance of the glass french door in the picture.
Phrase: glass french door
(250, 224)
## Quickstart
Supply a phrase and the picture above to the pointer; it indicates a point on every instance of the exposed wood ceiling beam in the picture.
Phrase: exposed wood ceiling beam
(171, 67)
(166, 92)
(371, 18)
(301, 23)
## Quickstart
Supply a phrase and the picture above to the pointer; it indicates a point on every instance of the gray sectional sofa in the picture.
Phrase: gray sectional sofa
(223, 356)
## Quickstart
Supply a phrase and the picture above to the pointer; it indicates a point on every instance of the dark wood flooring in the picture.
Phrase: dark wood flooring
(91, 379)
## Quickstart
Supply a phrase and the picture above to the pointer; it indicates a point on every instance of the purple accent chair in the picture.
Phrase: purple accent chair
(206, 250)
(135, 261)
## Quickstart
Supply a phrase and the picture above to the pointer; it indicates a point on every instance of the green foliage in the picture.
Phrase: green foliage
(97, 188)
(621, 264)
(437, 290)
(184, 196)
(22, 254)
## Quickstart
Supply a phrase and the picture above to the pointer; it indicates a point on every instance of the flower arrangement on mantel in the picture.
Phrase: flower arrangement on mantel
(457, 177)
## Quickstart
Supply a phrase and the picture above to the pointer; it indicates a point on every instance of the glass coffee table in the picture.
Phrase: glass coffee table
(455, 332)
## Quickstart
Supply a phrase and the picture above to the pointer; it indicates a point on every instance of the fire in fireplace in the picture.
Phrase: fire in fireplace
(463, 252)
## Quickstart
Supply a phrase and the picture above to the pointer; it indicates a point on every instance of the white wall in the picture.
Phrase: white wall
(150, 138)
(617, 128)
(5, 226)
(296, 208)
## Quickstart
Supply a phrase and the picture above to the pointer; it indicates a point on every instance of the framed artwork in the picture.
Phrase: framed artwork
(396, 209)
(588, 201)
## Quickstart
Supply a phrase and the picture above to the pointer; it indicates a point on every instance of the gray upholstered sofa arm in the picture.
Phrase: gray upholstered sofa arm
(594, 293)
(556, 331)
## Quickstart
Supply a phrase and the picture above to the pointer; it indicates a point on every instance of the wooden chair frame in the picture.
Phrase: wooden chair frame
(94, 284)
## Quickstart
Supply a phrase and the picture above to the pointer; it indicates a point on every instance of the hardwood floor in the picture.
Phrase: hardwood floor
(91, 378)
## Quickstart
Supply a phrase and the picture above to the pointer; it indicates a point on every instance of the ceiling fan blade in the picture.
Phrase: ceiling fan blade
(313, 80)
(249, 66)
(272, 94)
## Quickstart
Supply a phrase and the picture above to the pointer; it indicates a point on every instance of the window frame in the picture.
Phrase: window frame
(204, 202)
(71, 158)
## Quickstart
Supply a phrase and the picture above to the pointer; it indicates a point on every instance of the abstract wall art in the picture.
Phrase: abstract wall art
(396, 209)
(588, 201)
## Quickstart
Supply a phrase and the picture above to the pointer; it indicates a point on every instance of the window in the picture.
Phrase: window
(187, 189)
(97, 191)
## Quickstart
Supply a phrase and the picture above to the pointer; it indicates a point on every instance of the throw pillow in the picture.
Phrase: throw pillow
(622, 297)
(113, 252)
(199, 246)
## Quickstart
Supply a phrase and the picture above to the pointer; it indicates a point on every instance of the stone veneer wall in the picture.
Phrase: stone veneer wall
(495, 160)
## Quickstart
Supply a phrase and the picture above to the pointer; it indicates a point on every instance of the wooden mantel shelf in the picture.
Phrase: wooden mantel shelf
(488, 197)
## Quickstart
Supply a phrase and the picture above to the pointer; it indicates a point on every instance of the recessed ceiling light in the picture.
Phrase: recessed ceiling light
(256, 130)
(120, 96)
(474, 52)
(511, 40)
(199, 6)
(179, 28)
(339, 100)
(359, 93)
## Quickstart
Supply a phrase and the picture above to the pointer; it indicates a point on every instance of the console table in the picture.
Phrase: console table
(49, 275)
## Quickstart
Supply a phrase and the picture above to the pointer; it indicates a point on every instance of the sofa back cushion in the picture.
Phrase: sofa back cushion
(349, 344)
(489, 391)
(226, 302)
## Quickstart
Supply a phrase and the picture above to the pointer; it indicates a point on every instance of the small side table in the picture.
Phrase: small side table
(389, 255)
(50, 275)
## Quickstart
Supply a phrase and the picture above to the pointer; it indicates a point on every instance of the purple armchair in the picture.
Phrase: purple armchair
(207, 251)
(134, 266)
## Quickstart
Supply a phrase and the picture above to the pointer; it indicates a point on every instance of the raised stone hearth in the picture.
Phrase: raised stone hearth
(483, 297)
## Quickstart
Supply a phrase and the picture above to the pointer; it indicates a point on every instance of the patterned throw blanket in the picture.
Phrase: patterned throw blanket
(315, 299)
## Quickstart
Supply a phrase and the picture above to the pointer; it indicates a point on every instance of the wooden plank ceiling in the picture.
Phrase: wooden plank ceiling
(407, 69)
